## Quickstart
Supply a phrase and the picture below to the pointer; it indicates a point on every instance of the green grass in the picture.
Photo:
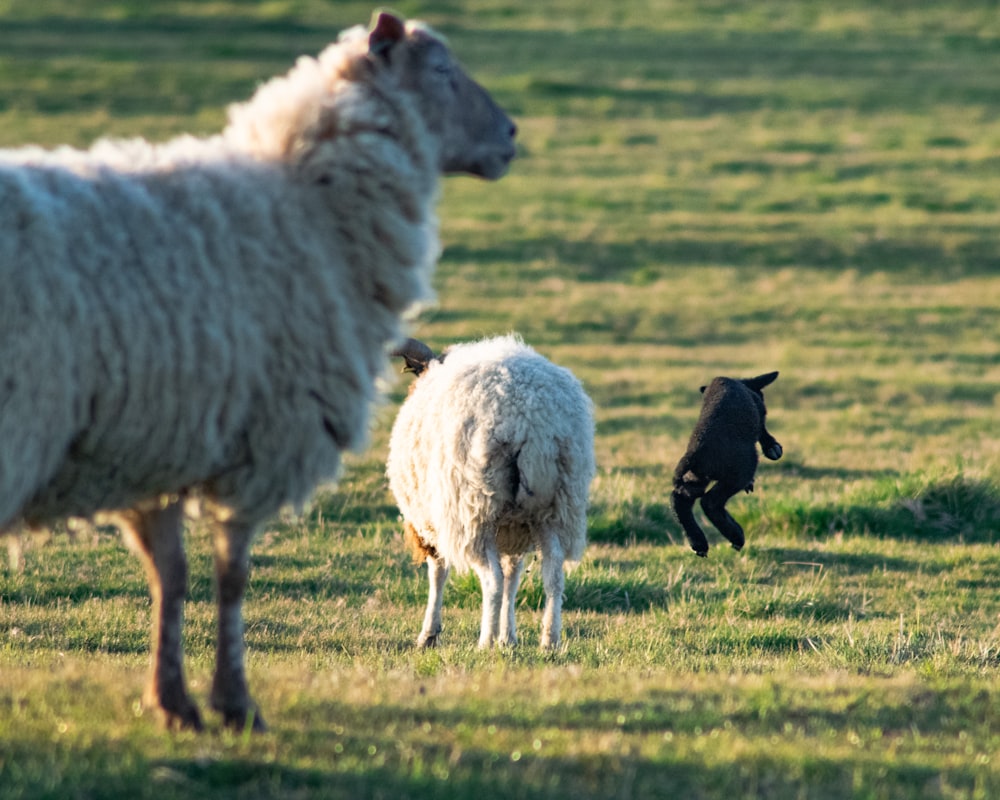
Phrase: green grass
(704, 188)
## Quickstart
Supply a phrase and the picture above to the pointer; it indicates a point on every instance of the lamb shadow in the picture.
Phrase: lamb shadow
(958, 509)
(852, 563)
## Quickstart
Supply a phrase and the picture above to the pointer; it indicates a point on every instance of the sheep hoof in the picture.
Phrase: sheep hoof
(427, 640)
(187, 720)
(174, 709)
(244, 720)
(737, 547)
(774, 452)
(701, 553)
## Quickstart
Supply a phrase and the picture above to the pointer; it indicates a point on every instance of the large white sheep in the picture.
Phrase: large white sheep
(208, 316)
(491, 456)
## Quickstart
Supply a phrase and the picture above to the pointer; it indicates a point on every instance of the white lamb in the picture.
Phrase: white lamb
(207, 317)
(491, 456)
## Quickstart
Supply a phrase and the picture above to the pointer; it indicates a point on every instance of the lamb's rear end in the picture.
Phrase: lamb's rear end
(491, 457)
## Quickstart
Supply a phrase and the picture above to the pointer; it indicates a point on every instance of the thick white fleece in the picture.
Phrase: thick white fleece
(210, 313)
(495, 441)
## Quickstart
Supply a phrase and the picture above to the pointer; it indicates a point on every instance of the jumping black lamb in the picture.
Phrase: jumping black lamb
(207, 318)
(722, 448)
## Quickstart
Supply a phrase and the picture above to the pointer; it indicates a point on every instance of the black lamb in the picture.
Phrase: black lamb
(722, 448)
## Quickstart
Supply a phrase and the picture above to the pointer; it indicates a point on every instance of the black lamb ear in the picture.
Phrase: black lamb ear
(415, 354)
(414, 365)
(702, 389)
(761, 381)
(387, 31)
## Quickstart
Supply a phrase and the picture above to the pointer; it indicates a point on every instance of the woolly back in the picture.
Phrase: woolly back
(268, 296)
(340, 92)
(275, 122)
(494, 436)
(730, 412)
(345, 128)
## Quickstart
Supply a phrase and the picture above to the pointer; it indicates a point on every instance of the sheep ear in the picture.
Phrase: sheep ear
(702, 389)
(415, 354)
(414, 365)
(387, 31)
(761, 381)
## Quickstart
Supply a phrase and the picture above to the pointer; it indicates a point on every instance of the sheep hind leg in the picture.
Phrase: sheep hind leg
(437, 574)
(554, 581)
(490, 576)
(714, 505)
(156, 536)
(513, 569)
(682, 500)
(230, 696)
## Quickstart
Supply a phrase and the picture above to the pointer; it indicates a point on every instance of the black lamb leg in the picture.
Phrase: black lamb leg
(714, 506)
(682, 499)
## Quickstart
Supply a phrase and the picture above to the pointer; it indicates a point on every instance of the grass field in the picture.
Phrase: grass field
(704, 188)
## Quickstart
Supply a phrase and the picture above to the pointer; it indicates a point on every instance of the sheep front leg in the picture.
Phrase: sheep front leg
(156, 536)
(553, 580)
(230, 695)
(513, 569)
(437, 574)
(770, 446)
(490, 577)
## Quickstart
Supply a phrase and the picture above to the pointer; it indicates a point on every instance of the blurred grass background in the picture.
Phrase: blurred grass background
(703, 188)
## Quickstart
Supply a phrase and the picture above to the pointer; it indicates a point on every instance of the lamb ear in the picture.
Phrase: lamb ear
(387, 31)
(702, 389)
(415, 354)
(761, 381)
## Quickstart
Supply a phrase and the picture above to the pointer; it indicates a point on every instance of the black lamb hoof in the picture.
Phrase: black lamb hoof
(701, 553)
(774, 452)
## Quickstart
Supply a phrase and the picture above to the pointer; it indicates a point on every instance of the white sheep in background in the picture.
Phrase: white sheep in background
(490, 457)
(208, 317)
